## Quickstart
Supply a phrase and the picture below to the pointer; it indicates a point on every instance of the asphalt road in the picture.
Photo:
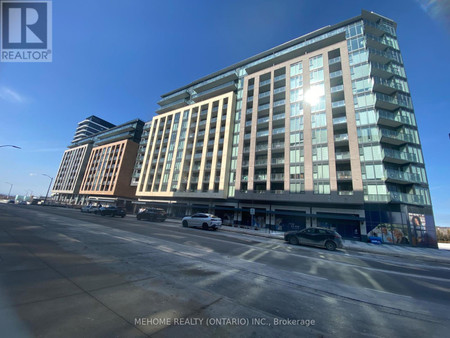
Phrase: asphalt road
(65, 273)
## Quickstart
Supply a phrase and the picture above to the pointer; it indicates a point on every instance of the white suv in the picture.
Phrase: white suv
(205, 221)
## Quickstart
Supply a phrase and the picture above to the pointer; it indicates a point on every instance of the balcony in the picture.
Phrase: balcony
(278, 131)
(388, 87)
(394, 137)
(341, 138)
(278, 117)
(334, 60)
(342, 156)
(337, 89)
(384, 57)
(262, 162)
(392, 102)
(398, 157)
(335, 74)
(386, 70)
(345, 192)
(262, 133)
(391, 119)
(263, 107)
(344, 175)
(407, 198)
(260, 178)
(249, 111)
(277, 161)
(338, 104)
(400, 177)
(250, 99)
(373, 27)
(263, 120)
(279, 77)
(277, 177)
(263, 83)
(278, 145)
(381, 42)
(261, 147)
(340, 121)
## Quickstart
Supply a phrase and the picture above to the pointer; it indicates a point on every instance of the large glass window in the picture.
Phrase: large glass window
(316, 62)
(296, 68)
(316, 76)
(296, 81)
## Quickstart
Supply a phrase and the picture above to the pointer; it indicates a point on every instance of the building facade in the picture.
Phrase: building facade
(319, 131)
(98, 168)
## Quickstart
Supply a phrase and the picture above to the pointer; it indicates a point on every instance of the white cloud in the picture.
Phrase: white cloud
(10, 95)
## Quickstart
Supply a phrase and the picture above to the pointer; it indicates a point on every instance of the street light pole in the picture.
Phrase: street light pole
(48, 190)
(10, 145)
(10, 188)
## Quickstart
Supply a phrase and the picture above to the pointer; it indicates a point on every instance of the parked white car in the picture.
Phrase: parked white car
(205, 221)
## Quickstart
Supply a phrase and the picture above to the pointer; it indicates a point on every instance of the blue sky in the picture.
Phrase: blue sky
(115, 58)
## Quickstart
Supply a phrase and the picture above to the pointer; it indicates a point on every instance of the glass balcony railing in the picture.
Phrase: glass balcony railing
(261, 162)
(336, 89)
(335, 74)
(249, 110)
(248, 123)
(263, 83)
(381, 26)
(261, 147)
(397, 70)
(265, 94)
(250, 98)
(397, 135)
(383, 40)
(389, 54)
(400, 155)
(342, 156)
(262, 133)
(344, 174)
(340, 137)
(387, 115)
(279, 90)
(278, 117)
(260, 178)
(264, 119)
(279, 145)
(277, 177)
(279, 103)
(334, 60)
(402, 176)
(277, 160)
(278, 131)
(280, 77)
(345, 192)
(340, 120)
(338, 104)
(263, 107)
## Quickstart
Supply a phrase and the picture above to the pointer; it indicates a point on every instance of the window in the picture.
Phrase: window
(318, 120)
(296, 81)
(296, 95)
(319, 136)
(297, 108)
(321, 171)
(316, 62)
(297, 124)
(321, 188)
(316, 76)
(320, 153)
(296, 68)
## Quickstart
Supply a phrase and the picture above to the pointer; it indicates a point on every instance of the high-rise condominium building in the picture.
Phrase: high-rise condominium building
(319, 131)
(89, 126)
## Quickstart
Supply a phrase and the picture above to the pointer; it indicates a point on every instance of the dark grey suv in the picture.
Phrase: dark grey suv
(322, 237)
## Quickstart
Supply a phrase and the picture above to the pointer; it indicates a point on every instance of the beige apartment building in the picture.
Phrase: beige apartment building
(319, 131)
(97, 168)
